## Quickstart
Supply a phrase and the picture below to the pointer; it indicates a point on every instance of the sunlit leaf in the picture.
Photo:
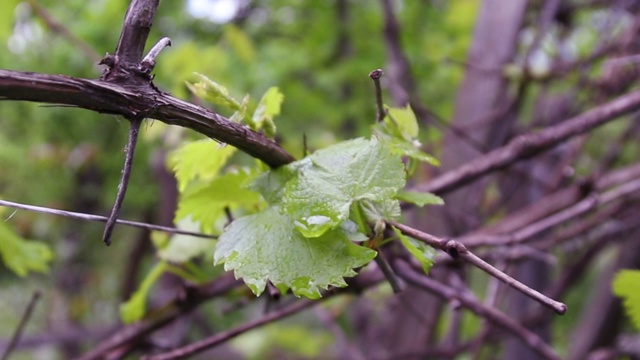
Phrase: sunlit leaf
(626, 285)
(201, 159)
(206, 203)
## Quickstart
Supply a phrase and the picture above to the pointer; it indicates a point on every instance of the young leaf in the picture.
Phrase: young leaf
(330, 180)
(626, 285)
(399, 131)
(419, 198)
(405, 121)
(134, 309)
(199, 159)
(206, 203)
(424, 253)
(268, 108)
(213, 92)
(22, 256)
(266, 247)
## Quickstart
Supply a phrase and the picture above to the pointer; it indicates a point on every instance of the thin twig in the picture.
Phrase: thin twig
(98, 218)
(25, 318)
(375, 75)
(124, 180)
(458, 250)
(396, 284)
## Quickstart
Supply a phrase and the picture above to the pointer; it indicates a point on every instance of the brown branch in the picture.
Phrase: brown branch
(470, 302)
(527, 145)
(458, 251)
(135, 100)
(135, 30)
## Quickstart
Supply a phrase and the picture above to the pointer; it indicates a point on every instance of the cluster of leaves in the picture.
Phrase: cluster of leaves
(306, 225)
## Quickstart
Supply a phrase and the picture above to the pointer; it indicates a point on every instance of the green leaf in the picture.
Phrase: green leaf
(205, 204)
(135, 308)
(181, 248)
(199, 159)
(22, 256)
(626, 285)
(419, 198)
(405, 120)
(424, 253)
(266, 247)
(267, 109)
(399, 131)
(330, 180)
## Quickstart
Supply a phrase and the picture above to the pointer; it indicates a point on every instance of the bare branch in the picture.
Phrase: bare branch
(135, 30)
(468, 301)
(458, 250)
(528, 145)
(25, 318)
(97, 218)
(138, 101)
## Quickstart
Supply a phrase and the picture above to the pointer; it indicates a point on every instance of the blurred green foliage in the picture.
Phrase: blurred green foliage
(71, 158)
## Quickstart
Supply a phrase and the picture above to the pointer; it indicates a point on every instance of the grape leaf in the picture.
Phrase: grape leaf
(199, 159)
(266, 247)
(626, 285)
(419, 198)
(206, 203)
(331, 179)
(22, 256)
(134, 309)
(424, 253)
